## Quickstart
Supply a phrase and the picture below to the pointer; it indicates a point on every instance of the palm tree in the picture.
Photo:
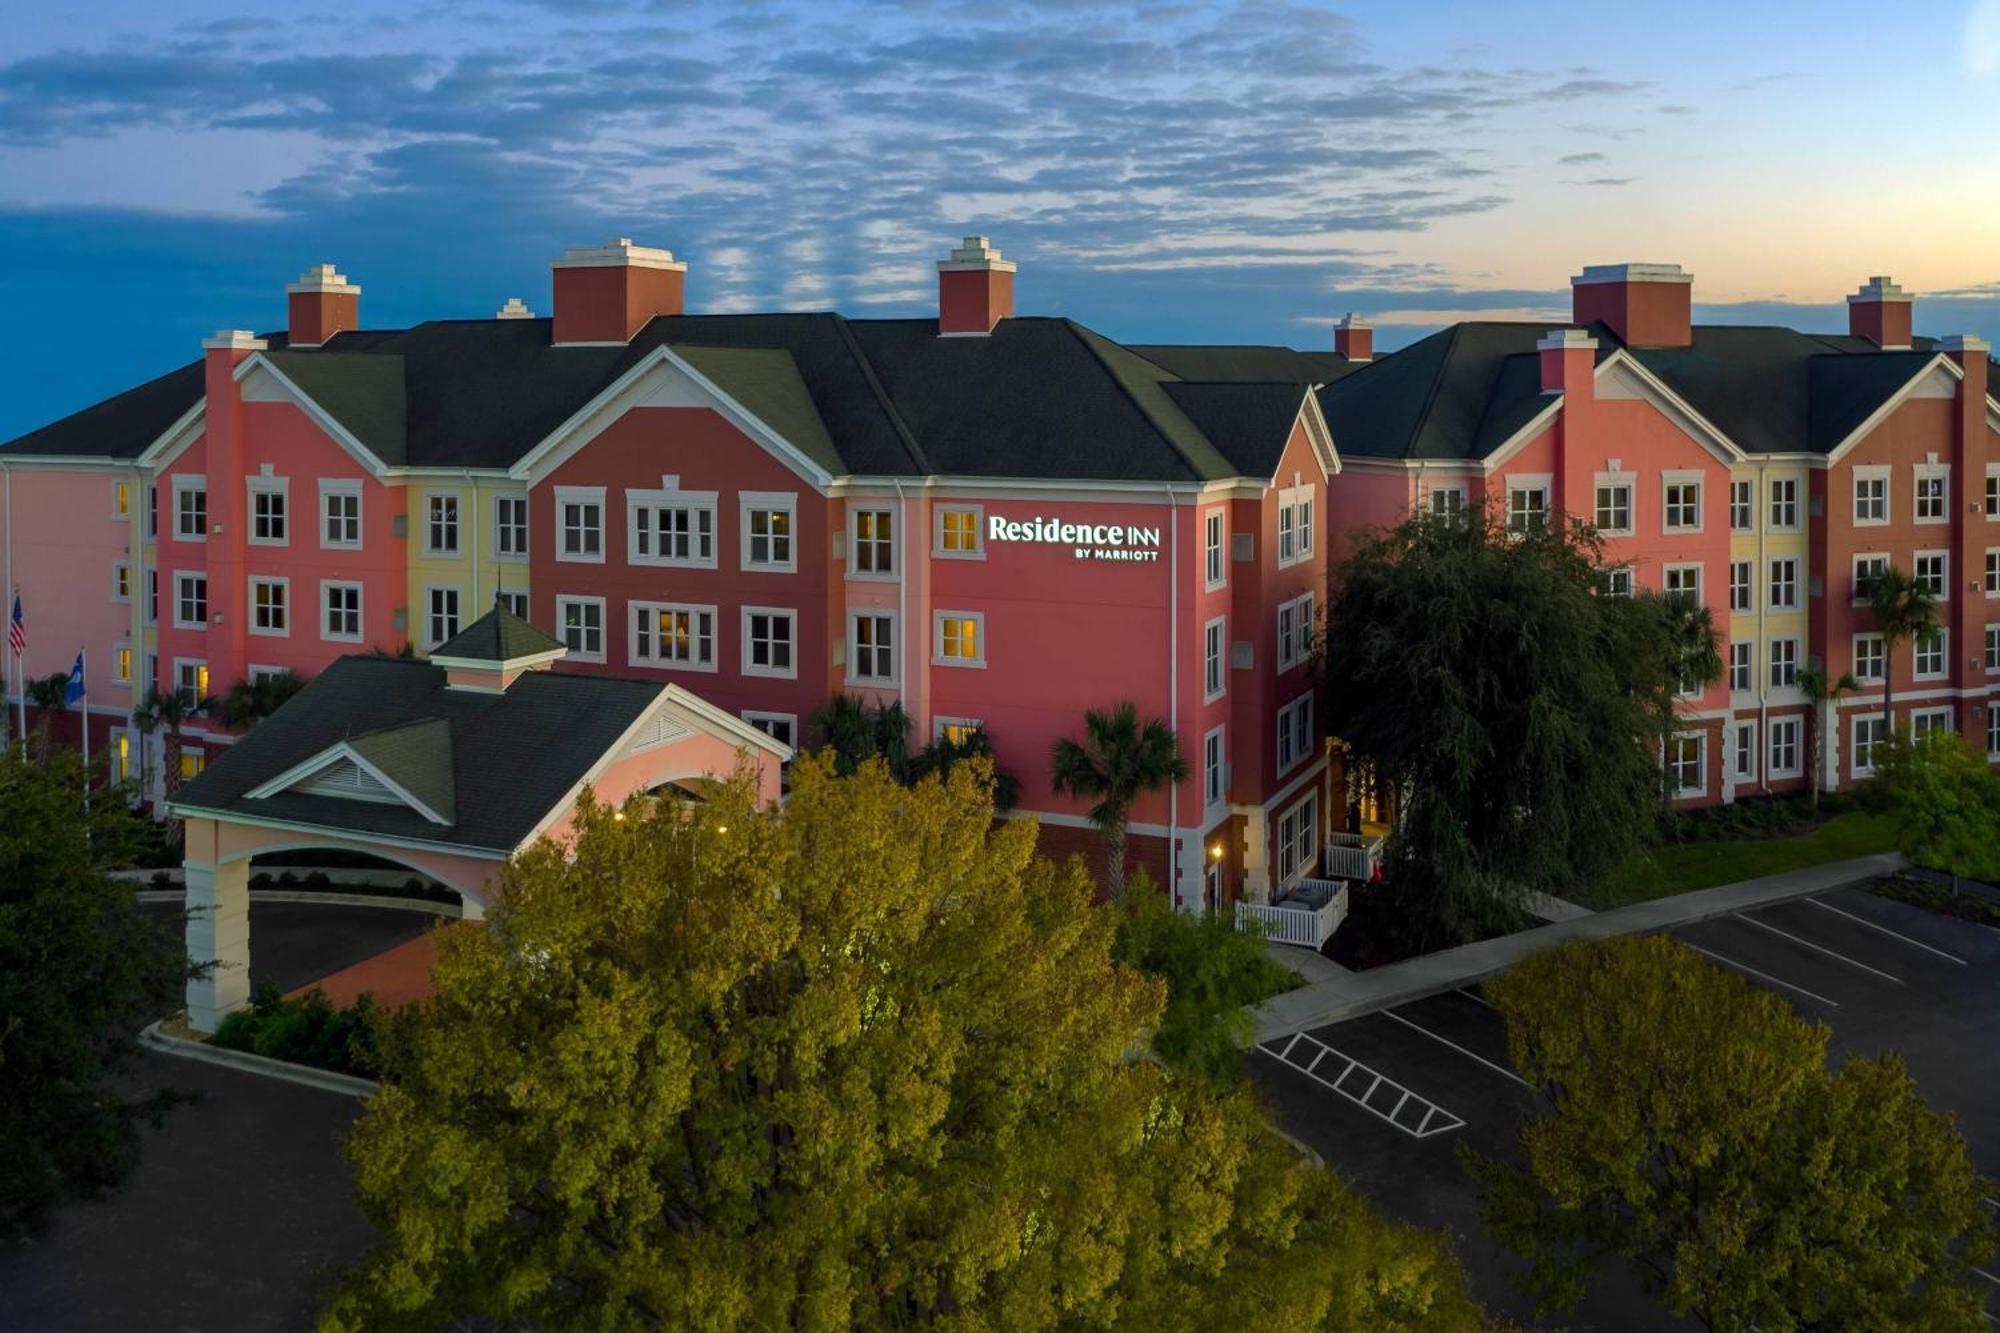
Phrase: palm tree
(1119, 760)
(249, 702)
(857, 732)
(1819, 692)
(49, 694)
(169, 709)
(1904, 611)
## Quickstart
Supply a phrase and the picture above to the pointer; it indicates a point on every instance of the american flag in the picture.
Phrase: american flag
(17, 629)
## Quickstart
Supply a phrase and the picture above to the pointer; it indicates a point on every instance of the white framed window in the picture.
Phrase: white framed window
(770, 522)
(440, 614)
(121, 581)
(1687, 763)
(515, 601)
(121, 663)
(1214, 548)
(1614, 508)
(1742, 506)
(152, 616)
(955, 730)
(580, 524)
(580, 625)
(1871, 495)
(1295, 525)
(270, 606)
(1741, 598)
(340, 611)
(1930, 654)
(1924, 721)
(871, 545)
(1870, 657)
(270, 504)
(1787, 756)
(871, 648)
(1214, 673)
(1527, 503)
(670, 527)
(1992, 732)
(958, 532)
(510, 527)
(339, 514)
(1746, 751)
(1993, 490)
(1214, 768)
(1928, 568)
(1447, 502)
(152, 509)
(958, 638)
(1297, 843)
(1932, 488)
(1993, 650)
(1868, 736)
(668, 634)
(121, 501)
(190, 600)
(441, 523)
(1682, 502)
(1295, 733)
(1867, 568)
(1992, 572)
(1785, 504)
(1295, 631)
(1784, 663)
(770, 642)
(191, 679)
(1684, 579)
(190, 508)
(1616, 581)
(1743, 666)
(1785, 584)
(780, 727)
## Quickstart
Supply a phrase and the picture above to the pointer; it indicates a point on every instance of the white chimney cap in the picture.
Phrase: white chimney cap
(1563, 340)
(1350, 320)
(1876, 290)
(323, 278)
(514, 309)
(1962, 342)
(618, 252)
(1596, 273)
(978, 254)
(235, 340)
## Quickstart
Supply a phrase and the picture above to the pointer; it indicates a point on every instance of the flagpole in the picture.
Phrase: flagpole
(84, 661)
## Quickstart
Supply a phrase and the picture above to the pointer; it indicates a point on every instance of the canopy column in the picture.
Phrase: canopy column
(218, 934)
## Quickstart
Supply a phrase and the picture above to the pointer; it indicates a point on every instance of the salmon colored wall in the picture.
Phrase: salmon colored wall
(696, 756)
(64, 544)
(213, 843)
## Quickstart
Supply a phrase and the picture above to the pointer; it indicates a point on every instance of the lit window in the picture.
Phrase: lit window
(960, 641)
(121, 499)
(191, 681)
(956, 730)
(121, 666)
(874, 541)
(121, 581)
(958, 531)
(192, 762)
(668, 635)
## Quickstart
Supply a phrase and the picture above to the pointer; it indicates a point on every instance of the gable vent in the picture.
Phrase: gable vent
(348, 782)
(657, 732)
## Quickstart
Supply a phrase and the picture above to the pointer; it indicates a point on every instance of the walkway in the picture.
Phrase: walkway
(1343, 997)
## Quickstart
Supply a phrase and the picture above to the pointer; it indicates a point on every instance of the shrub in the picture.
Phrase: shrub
(307, 1031)
(318, 879)
(161, 880)
(260, 881)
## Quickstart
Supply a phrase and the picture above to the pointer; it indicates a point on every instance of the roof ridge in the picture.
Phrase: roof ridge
(875, 386)
(1436, 387)
(1085, 336)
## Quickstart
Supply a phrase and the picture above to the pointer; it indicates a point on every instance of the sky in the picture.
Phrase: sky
(1229, 172)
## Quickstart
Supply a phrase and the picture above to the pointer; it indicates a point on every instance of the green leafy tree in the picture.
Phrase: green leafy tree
(1517, 712)
(861, 1062)
(248, 702)
(1213, 973)
(1119, 760)
(81, 967)
(1904, 613)
(1694, 1128)
(944, 754)
(168, 711)
(1820, 690)
(1945, 802)
(856, 731)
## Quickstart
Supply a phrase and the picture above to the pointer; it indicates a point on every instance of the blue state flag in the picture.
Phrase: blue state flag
(74, 690)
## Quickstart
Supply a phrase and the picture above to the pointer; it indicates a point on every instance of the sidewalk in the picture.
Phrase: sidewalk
(1344, 997)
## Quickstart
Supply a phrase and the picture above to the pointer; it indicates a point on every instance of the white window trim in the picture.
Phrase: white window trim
(1288, 657)
(183, 483)
(791, 614)
(1936, 714)
(457, 549)
(586, 495)
(1285, 716)
(978, 512)
(564, 601)
(941, 721)
(1991, 630)
(503, 596)
(791, 720)
(1925, 472)
(1987, 579)
(1748, 647)
(429, 589)
(1870, 472)
(1771, 583)
(895, 676)
(250, 625)
(179, 662)
(131, 657)
(1220, 797)
(1291, 501)
(124, 568)
(1630, 576)
(1218, 517)
(1992, 472)
(1751, 507)
(1700, 738)
(1282, 845)
(1798, 488)
(1797, 767)
(254, 487)
(788, 502)
(494, 525)
(326, 632)
(1737, 727)
(644, 502)
(342, 486)
(180, 574)
(1854, 574)
(692, 609)
(1749, 569)
(1219, 625)
(896, 538)
(1524, 483)
(1629, 481)
(978, 619)
(1865, 718)
(1943, 594)
(1944, 657)
(1854, 657)
(1669, 480)
(1435, 489)
(116, 516)
(1771, 660)
(1700, 588)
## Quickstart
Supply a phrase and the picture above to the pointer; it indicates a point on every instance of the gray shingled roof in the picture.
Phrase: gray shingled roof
(1220, 363)
(396, 711)
(497, 636)
(1249, 423)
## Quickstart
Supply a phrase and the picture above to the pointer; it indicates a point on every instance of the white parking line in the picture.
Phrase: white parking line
(1476, 999)
(1988, 1276)
(1766, 976)
(1862, 920)
(1470, 1055)
(1800, 939)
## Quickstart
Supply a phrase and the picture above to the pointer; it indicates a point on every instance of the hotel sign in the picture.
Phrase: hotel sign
(1090, 541)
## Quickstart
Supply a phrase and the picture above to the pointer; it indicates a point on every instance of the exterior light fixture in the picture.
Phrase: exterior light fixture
(1215, 851)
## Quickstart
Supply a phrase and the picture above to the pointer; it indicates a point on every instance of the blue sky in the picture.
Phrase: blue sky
(1240, 171)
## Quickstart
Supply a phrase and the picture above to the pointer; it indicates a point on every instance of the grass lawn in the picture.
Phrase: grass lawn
(1681, 867)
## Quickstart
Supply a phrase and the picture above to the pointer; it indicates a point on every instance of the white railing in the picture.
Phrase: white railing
(1353, 856)
(1298, 923)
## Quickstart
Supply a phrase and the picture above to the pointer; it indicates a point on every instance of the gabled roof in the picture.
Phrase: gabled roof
(1250, 363)
(498, 636)
(416, 756)
(364, 393)
(1249, 423)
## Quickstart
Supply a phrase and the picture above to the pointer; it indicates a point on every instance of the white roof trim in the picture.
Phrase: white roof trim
(1514, 443)
(487, 663)
(590, 420)
(325, 759)
(1890, 404)
(340, 435)
(333, 831)
(1320, 434)
(1692, 423)
(174, 441)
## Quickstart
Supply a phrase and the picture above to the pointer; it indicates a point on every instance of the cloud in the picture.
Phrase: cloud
(1581, 159)
(1611, 181)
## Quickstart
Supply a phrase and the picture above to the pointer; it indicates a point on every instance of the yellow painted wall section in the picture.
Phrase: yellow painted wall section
(477, 568)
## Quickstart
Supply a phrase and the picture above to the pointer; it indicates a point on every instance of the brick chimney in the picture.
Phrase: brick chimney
(321, 303)
(975, 290)
(606, 293)
(1880, 312)
(1569, 361)
(1354, 338)
(1646, 305)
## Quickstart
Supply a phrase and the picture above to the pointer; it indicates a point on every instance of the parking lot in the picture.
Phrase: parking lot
(1387, 1098)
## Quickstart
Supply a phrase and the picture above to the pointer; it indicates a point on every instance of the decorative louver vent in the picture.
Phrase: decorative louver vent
(657, 732)
(349, 782)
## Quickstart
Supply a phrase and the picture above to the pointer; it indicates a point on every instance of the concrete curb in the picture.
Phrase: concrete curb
(262, 1065)
(324, 899)
(1399, 983)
